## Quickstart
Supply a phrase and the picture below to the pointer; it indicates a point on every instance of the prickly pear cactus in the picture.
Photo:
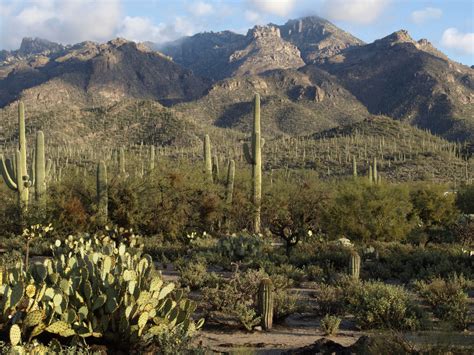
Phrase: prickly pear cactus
(93, 287)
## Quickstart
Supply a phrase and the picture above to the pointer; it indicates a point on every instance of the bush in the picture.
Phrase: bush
(194, 274)
(447, 298)
(365, 213)
(235, 299)
(330, 324)
(330, 300)
(377, 305)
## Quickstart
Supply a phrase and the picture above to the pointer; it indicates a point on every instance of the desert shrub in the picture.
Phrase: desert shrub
(314, 273)
(330, 324)
(235, 299)
(406, 262)
(465, 199)
(330, 299)
(365, 213)
(291, 210)
(376, 305)
(194, 274)
(434, 212)
(447, 298)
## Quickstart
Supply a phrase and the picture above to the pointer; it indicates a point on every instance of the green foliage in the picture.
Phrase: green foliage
(366, 213)
(194, 274)
(236, 298)
(448, 299)
(376, 305)
(330, 324)
(465, 199)
(94, 287)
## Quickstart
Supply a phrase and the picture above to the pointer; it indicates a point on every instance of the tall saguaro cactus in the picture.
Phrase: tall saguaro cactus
(40, 169)
(102, 192)
(254, 157)
(229, 189)
(207, 156)
(17, 179)
(354, 166)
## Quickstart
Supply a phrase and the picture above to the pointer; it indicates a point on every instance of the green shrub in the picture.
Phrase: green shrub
(194, 274)
(447, 298)
(330, 324)
(376, 305)
(235, 299)
(330, 299)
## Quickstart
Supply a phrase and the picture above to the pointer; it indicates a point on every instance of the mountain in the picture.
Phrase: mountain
(90, 73)
(411, 81)
(317, 38)
(312, 76)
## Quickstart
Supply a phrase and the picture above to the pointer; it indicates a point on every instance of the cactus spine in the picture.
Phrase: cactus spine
(102, 194)
(265, 303)
(254, 157)
(354, 265)
(229, 193)
(207, 156)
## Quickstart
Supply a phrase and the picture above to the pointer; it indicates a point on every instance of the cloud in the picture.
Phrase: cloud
(460, 42)
(428, 13)
(252, 16)
(354, 11)
(142, 29)
(273, 7)
(201, 8)
(59, 20)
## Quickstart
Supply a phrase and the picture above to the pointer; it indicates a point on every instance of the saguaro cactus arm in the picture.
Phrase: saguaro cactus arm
(9, 180)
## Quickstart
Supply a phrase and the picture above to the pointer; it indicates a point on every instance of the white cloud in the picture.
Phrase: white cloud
(428, 13)
(354, 11)
(60, 20)
(274, 7)
(252, 16)
(201, 8)
(141, 29)
(461, 42)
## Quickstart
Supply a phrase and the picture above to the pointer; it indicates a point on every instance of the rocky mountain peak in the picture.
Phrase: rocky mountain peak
(400, 36)
(268, 31)
(37, 45)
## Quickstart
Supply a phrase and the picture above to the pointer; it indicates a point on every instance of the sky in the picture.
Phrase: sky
(447, 24)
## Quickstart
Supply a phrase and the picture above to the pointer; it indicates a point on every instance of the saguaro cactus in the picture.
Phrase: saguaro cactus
(254, 157)
(265, 303)
(354, 265)
(17, 179)
(229, 189)
(207, 156)
(40, 169)
(215, 169)
(122, 161)
(152, 159)
(374, 171)
(354, 166)
(102, 192)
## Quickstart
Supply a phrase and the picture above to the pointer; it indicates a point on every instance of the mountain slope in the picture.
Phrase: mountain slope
(293, 102)
(88, 74)
(409, 80)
